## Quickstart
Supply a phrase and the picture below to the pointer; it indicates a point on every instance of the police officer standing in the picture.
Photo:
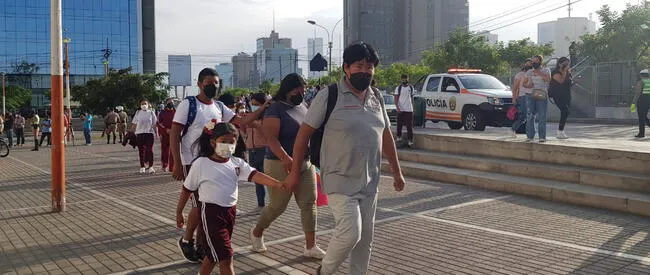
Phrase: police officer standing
(642, 98)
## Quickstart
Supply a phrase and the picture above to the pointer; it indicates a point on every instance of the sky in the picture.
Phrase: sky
(212, 31)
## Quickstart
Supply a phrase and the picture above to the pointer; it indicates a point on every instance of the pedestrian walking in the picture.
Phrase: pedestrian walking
(404, 98)
(144, 125)
(87, 119)
(191, 115)
(519, 93)
(215, 176)
(2, 124)
(35, 121)
(122, 122)
(111, 120)
(559, 90)
(256, 145)
(280, 125)
(642, 99)
(19, 127)
(9, 128)
(356, 134)
(165, 120)
(46, 127)
(537, 79)
(67, 127)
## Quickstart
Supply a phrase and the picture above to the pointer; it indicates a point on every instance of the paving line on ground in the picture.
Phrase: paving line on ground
(641, 259)
(107, 196)
(246, 250)
(89, 201)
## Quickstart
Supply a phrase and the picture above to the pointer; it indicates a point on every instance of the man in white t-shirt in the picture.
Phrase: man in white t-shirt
(182, 144)
(404, 102)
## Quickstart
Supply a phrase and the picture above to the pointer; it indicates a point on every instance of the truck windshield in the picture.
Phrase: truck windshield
(481, 81)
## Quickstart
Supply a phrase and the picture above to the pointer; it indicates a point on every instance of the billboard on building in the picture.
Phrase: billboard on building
(180, 70)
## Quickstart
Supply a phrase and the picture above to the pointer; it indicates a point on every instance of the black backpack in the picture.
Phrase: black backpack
(317, 137)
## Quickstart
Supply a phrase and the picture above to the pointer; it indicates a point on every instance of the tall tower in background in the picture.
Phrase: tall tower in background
(401, 29)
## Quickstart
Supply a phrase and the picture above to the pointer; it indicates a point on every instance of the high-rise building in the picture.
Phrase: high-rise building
(491, 38)
(123, 28)
(242, 67)
(226, 74)
(315, 46)
(274, 58)
(562, 32)
(401, 29)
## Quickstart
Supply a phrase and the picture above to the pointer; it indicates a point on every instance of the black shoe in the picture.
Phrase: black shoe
(639, 136)
(35, 149)
(188, 250)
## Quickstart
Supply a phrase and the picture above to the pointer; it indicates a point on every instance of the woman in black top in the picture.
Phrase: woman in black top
(560, 90)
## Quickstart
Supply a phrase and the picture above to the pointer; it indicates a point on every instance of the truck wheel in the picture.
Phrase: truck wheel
(455, 125)
(473, 120)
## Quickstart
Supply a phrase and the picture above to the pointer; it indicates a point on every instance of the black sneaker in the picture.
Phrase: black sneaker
(639, 136)
(188, 250)
(200, 253)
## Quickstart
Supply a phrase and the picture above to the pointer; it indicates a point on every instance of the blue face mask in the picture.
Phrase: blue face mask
(254, 108)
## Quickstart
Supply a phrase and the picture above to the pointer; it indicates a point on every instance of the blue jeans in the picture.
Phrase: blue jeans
(87, 135)
(256, 160)
(536, 108)
(521, 113)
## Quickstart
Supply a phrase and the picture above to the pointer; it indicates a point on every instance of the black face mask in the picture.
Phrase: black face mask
(360, 81)
(536, 65)
(405, 83)
(296, 99)
(210, 90)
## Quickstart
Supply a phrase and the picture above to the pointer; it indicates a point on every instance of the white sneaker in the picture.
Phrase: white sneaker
(562, 135)
(513, 134)
(528, 140)
(315, 252)
(410, 144)
(239, 212)
(257, 243)
(143, 170)
(164, 170)
(151, 170)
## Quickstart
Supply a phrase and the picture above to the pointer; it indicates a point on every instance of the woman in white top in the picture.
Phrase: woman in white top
(144, 123)
(537, 79)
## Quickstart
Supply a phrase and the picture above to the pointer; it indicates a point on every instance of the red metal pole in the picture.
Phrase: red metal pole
(58, 147)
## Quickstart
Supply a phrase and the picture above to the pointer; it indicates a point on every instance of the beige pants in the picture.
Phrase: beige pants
(305, 196)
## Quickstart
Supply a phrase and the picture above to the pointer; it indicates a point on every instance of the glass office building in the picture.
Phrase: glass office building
(123, 28)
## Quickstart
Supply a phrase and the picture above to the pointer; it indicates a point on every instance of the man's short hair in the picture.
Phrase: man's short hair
(360, 51)
(227, 99)
(405, 76)
(207, 72)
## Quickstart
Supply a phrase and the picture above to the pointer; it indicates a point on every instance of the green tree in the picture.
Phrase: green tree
(465, 50)
(121, 87)
(623, 36)
(17, 97)
(390, 76)
(516, 51)
(237, 91)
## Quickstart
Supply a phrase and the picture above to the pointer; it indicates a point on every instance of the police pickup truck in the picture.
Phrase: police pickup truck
(465, 98)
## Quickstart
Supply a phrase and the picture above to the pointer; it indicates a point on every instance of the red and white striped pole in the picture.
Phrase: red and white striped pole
(58, 148)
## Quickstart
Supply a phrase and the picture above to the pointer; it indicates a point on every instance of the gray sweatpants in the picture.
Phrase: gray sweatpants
(353, 233)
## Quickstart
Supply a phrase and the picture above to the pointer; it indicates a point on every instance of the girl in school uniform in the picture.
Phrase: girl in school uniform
(215, 174)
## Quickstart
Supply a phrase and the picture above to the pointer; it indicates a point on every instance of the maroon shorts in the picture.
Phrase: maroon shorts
(194, 198)
(218, 223)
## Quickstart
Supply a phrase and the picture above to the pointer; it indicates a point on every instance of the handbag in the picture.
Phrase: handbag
(540, 95)
(512, 113)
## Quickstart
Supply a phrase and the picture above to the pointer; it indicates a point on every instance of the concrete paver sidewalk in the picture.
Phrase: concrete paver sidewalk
(119, 221)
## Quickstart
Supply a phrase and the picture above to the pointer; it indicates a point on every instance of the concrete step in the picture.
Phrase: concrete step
(624, 160)
(573, 193)
(624, 181)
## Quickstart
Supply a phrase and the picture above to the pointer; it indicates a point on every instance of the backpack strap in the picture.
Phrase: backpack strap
(377, 94)
(332, 97)
(191, 114)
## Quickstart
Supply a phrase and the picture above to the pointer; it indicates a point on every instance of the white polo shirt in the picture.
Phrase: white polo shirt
(405, 98)
(217, 181)
(205, 112)
(145, 122)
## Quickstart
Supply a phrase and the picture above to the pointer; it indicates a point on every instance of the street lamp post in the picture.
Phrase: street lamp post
(330, 37)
